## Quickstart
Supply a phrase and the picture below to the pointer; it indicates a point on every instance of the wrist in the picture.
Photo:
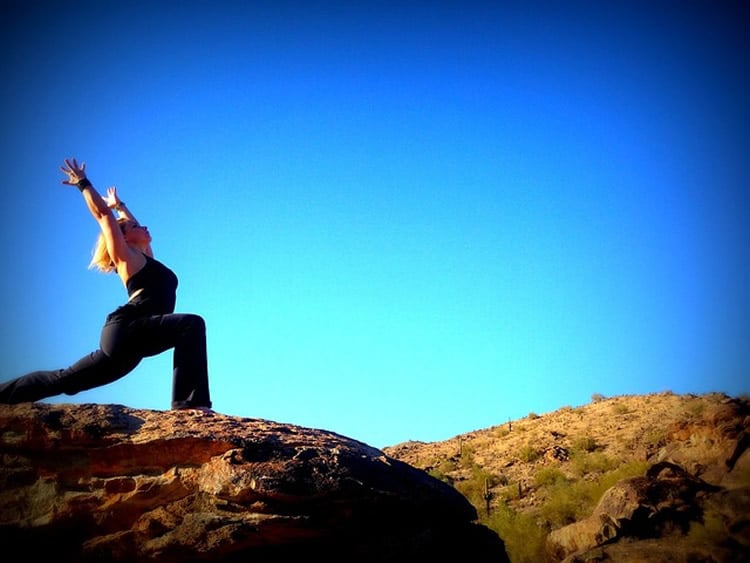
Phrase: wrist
(120, 205)
(83, 183)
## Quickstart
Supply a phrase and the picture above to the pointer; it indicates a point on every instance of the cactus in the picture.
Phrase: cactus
(487, 495)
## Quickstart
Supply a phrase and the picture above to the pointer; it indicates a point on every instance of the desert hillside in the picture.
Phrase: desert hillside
(532, 476)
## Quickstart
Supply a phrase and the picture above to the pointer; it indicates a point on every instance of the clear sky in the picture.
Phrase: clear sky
(400, 220)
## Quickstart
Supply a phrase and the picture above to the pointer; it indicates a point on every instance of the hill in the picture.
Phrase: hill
(538, 479)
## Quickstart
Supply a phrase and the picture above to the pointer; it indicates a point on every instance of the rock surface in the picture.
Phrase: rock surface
(111, 483)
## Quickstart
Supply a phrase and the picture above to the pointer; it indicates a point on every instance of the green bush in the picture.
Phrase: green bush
(440, 476)
(549, 476)
(590, 463)
(509, 492)
(528, 453)
(584, 444)
(712, 530)
(524, 536)
(446, 466)
(695, 407)
(620, 408)
(567, 502)
(624, 471)
(474, 488)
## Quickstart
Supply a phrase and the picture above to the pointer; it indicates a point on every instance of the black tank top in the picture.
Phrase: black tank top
(158, 289)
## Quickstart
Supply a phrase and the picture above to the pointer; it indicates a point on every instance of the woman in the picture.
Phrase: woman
(145, 326)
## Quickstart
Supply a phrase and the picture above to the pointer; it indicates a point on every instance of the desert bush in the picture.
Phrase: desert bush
(567, 502)
(528, 453)
(549, 476)
(598, 398)
(523, 535)
(501, 431)
(509, 492)
(655, 436)
(712, 530)
(584, 444)
(695, 407)
(473, 488)
(440, 476)
(466, 458)
(626, 470)
(620, 408)
(589, 463)
(446, 466)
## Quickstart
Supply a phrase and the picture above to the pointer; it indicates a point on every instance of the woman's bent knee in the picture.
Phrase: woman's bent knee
(196, 322)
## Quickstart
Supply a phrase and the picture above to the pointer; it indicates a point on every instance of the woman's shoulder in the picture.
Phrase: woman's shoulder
(133, 264)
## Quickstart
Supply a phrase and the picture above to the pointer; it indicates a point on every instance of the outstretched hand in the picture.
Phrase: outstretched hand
(113, 202)
(73, 171)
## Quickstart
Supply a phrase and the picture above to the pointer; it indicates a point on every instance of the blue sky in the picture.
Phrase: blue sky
(399, 220)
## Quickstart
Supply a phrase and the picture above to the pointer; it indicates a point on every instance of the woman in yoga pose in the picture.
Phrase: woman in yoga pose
(145, 326)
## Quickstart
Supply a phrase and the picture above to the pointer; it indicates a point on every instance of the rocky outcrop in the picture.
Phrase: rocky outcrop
(693, 504)
(111, 483)
(653, 516)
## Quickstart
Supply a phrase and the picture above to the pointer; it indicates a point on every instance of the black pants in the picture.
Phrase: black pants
(124, 343)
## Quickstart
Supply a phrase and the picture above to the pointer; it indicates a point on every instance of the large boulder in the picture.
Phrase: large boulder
(649, 519)
(111, 483)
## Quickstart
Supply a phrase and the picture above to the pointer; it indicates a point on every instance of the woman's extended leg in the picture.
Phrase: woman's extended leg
(92, 370)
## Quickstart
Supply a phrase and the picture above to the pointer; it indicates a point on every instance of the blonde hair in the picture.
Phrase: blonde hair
(100, 258)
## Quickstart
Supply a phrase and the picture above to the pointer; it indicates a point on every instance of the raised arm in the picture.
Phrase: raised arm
(114, 202)
(126, 261)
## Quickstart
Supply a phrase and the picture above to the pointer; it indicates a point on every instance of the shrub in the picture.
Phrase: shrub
(528, 453)
(549, 476)
(509, 492)
(568, 502)
(501, 431)
(588, 463)
(598, 397)
(584, 444)
(446, 466)
(626, 470)
(695, 407)
(523, 535)
(712, 530)
(473, 489)
(560, 508)
(620, 408)
(466, 459)
(440, 476)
